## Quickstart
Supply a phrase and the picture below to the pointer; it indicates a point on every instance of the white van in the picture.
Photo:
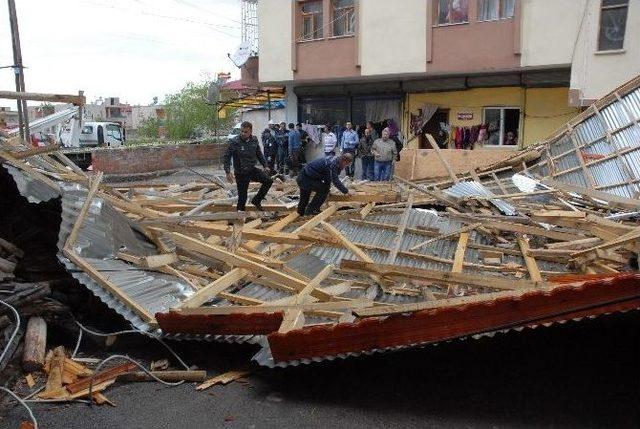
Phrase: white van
(109, 134)
(235, 132)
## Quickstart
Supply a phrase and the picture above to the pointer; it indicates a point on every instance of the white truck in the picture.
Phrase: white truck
(78, 139)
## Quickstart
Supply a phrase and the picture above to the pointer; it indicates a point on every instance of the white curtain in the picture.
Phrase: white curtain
(508, 8)
(379, 110)
(428, 110)
(488, 10)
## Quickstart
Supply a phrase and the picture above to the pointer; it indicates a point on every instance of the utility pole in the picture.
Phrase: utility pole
(23, 113)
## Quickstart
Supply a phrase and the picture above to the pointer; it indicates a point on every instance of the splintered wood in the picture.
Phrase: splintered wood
(467, 236)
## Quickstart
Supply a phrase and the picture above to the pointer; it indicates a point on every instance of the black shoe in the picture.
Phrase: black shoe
(312, 212)
(257, 204)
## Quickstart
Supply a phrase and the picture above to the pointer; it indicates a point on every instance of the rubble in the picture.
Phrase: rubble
(528, 242)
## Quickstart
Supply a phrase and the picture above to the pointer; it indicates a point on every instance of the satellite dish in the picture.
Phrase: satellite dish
(213, 93)
(242, 54)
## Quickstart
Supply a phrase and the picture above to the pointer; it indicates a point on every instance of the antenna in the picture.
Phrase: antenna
(242, 53)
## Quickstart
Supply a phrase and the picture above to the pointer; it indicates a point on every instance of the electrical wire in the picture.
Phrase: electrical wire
(110, 358)
(130, 331)
(23, 403)
(15, 331)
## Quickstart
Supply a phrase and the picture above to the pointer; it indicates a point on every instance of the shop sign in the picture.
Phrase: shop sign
(465, 116)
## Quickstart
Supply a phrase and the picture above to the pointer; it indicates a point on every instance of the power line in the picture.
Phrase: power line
(191, 5)
(176, 18)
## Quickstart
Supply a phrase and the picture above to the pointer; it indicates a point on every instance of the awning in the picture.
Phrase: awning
(254, 99)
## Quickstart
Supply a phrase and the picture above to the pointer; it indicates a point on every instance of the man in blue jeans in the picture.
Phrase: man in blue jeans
(349, 144)
(384, 152)
(295, 142)
(317, 176)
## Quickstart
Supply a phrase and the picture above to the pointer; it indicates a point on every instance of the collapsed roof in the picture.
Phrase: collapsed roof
(400, 264)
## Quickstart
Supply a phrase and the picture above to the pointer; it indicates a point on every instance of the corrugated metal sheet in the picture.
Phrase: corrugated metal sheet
(472, 188)
(33, 190)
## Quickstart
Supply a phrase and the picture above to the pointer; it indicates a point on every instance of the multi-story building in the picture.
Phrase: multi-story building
(520, 67)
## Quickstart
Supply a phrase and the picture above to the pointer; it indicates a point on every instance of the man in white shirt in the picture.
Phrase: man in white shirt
(329, 141)
(349, 144)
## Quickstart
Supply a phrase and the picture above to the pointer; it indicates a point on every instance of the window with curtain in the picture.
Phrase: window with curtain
(503, 126)
(312, 20)
(613, 23)
(491, 10)
(453, 12)
(343, 17)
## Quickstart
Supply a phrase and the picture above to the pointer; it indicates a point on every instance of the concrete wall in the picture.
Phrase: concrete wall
(549, 31)
(393, 43)
(275, 35)
(545, 109)
(593, 73)
(260, 119)
(148, 159)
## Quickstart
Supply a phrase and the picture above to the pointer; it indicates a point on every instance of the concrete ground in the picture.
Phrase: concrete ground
(573, 375)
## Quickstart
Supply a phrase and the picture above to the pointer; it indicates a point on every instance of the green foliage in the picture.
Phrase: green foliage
(149, 128)
(189, 115)
(47, 109)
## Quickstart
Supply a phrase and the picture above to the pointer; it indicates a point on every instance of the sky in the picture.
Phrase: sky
(132, 49)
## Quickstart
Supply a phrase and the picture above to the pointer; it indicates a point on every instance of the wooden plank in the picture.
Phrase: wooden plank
(267, 307)
(276, 227)
(447, 235)
(78, 100)
(108, 285)
(30, 170)
(532, 265)
(435, 146)
(73, 235)
(223, 379)
(631, 236)
(443, 277)
(293, 319)
(101, 377)
(223, 255)
(214, 288)
(56, 368)
(366, 210)
(397, 240)
(358, 252)
(461, 248)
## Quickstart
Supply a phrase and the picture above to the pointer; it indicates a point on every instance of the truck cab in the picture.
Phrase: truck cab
(104, 134)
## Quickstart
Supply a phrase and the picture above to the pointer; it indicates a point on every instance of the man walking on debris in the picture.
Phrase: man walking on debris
(317, 176)
(245, 151)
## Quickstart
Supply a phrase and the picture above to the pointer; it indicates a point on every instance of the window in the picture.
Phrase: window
(312, 20)
(503, 125)
(491, 10)
(114, 131)
(343, 17)
(87, 129)
(453, 11)
(613, 22)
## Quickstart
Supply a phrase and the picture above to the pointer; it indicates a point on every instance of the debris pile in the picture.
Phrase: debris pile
(395, 265)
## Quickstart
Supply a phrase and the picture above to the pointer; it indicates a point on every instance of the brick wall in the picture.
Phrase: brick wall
(147, 159)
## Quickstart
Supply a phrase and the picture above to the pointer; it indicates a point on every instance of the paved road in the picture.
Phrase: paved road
(574, 375)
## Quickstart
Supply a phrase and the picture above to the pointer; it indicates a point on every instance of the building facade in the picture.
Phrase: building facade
(518, 68)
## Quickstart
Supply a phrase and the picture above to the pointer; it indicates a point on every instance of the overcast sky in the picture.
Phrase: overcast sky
(132, 49)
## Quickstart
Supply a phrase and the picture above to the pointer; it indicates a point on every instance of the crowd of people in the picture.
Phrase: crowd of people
(377, 146)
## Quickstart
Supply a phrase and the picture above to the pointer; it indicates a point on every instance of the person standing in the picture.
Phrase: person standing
(349, 144)
(295, 142)
(245, 152)
(384, 152)
(269, 145)
(317, 176)
(282, 143)
(329, 142)
(304, 138)
(372, 130)
(364, 151)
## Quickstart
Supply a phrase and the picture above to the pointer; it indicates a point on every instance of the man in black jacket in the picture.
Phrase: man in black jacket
(245, 151)
(317, 176)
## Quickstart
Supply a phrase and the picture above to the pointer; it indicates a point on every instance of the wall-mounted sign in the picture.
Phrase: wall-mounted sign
(465, 116)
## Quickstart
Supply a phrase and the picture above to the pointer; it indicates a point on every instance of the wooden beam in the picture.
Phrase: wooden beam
(446, 164)
(78, 100)
(73, 235)
(214, 288)
(461, 248)
(358, 252)
(532, 265)
(397, 240)
(442, 277)
(447, 235)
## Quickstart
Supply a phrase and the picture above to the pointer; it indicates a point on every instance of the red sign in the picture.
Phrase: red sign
(465, 116)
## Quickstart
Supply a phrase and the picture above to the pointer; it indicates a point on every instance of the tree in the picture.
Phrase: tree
(149, 127)
(188, 113)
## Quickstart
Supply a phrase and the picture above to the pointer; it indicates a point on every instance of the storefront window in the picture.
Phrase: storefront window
(312, 20)
(344, 17)
(323, 111)
(613, 23)
(503, 126)
(453, 11)
(491, 10)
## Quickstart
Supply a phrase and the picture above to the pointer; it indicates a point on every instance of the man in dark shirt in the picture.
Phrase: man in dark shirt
(317, 176)
(269, 145)
(282, 144)
(245, 151)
